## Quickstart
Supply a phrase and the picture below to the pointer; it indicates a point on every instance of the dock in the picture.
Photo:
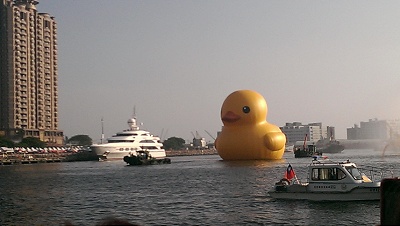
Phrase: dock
(30, 160)
(26, 158)
(171, 153)
(14, 159)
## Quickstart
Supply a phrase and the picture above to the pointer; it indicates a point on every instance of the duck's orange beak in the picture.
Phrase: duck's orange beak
(230, 117)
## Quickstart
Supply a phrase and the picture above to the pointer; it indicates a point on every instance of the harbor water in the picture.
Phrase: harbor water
(192, 190)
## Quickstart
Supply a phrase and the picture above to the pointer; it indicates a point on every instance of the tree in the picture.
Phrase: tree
(174, 143)
(80, 140)
(32, 142)
(4, 142)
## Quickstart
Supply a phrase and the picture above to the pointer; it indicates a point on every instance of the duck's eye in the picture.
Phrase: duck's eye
(246, 109)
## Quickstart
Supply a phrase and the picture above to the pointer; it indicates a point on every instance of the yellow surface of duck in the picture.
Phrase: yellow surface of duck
(246, 135)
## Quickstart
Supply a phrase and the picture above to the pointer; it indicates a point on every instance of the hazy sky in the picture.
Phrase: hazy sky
(335, 62)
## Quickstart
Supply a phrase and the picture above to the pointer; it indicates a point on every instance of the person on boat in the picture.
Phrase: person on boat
(289, 175)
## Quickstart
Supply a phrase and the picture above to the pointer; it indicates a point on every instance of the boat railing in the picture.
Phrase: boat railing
(321, 160)
(376, 173)
(299, 181)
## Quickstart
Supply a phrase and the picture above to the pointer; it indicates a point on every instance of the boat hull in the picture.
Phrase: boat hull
(137, 161)
(334, 148)
(357, 194)
(305, 154)
(329, 146)
(114, 152)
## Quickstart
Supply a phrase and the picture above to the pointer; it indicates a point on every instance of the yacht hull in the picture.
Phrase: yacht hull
(113, 153)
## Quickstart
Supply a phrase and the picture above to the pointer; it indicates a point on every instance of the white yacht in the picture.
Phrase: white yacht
(128, 142)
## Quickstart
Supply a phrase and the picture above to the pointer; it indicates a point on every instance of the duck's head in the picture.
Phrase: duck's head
(243, 107)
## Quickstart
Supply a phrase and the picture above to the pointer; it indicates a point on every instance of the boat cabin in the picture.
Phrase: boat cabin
(325, 175)
(331, 171)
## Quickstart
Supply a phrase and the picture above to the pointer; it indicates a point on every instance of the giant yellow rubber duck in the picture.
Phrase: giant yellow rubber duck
(246, 135)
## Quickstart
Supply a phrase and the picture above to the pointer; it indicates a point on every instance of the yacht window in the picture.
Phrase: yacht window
(354, 172)
(121, 141)
(146, 141)
(122, 135)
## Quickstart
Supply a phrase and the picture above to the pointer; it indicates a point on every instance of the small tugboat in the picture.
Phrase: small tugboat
(144, 158)
(306, 149)
(331, 181)
(302, 149)
(329, 146)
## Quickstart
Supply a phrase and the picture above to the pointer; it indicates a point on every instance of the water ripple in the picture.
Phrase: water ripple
(196, 190)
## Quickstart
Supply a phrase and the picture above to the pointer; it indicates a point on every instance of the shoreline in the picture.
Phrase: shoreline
(171, 153)
(33, 158)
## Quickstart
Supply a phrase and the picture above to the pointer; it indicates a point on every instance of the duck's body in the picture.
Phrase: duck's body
(246, 134)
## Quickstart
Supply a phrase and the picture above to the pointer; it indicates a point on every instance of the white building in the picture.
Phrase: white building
(296, 131)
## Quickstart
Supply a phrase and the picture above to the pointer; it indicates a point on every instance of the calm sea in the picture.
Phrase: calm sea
(193, 190)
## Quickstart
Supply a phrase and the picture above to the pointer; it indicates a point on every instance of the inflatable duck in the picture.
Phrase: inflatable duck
(246, 135)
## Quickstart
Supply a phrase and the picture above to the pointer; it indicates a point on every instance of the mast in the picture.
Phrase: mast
(102, 130)
(132, 122)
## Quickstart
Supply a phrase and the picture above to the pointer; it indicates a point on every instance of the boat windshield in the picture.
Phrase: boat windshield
(354, 172)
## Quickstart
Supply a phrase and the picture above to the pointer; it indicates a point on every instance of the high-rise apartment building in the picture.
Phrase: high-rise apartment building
(28, 73)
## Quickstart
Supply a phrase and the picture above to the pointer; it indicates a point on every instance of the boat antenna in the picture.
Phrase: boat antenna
(162, 133)
(165, 134)
(134, 112)
(102, 130)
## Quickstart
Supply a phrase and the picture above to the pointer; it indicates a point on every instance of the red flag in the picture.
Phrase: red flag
(289, 173)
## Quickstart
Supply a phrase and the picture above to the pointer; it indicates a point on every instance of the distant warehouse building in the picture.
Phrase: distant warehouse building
(374, 129)
(296, 131)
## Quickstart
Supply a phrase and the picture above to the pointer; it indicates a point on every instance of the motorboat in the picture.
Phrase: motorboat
(129, 142)
(144, 158)
(331, 181)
